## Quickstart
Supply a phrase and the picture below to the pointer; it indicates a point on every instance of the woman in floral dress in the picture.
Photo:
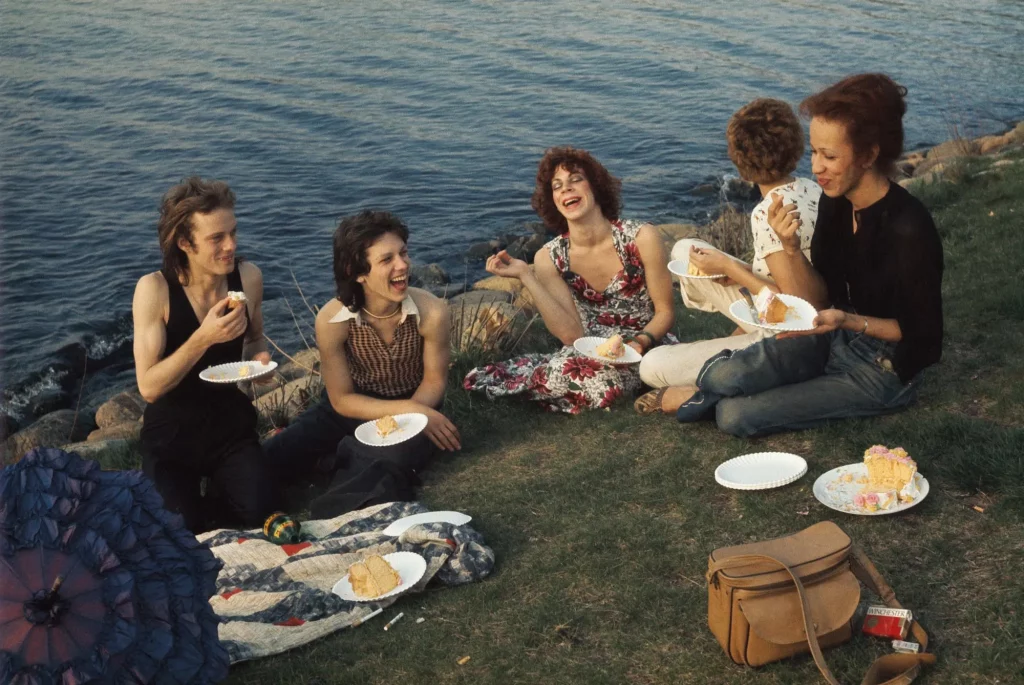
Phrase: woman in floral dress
(603, 275)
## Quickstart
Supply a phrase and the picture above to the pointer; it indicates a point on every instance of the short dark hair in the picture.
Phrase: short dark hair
(353, 237)
(607, 189)
(765, 140)
(871, 107)
(177, 208)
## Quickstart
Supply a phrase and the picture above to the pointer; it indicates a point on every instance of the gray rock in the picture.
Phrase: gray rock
(517, 248)
(305, 360)
(121, 408)
(90, 450)
(534, 243)
(427, 274)
(480, 251)
(124, 431)
(52, 430)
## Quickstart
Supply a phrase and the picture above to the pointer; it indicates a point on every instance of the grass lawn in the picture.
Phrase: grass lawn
(603, 523)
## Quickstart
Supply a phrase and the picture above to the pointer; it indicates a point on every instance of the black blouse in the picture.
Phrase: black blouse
(891, 268)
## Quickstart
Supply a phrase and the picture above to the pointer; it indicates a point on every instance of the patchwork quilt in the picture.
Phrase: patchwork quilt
(271, 598)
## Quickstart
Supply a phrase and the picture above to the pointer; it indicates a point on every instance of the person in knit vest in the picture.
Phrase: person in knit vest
(384, 351)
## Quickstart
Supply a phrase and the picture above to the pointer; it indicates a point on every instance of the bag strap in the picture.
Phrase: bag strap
(891, 669)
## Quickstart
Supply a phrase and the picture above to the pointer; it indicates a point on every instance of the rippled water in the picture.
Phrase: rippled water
(435, 110)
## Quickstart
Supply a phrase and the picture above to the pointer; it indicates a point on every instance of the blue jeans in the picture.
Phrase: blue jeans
(796, 383)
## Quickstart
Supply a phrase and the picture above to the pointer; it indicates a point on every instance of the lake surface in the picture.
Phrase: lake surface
(435, 110)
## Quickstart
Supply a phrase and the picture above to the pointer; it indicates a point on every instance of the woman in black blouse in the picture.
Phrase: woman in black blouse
(877, 279)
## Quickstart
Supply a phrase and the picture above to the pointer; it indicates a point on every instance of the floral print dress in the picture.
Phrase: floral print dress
(567, 381)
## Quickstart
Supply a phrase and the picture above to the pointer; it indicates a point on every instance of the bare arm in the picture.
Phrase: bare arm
(658, 280)
(156, 376)
(553, 299)
(799, 278)
(435, 325)
(252, 283)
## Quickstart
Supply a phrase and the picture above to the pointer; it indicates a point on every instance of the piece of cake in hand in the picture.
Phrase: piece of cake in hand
(373, 577)
(693, 270)
(770, 307)
(612, 348)
(892, 477)
(386, 425)
(235, 298)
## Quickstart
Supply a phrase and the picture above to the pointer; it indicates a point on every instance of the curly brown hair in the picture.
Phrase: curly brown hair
(192, 196)
(765, 140)
(606, 188)
(871, 107)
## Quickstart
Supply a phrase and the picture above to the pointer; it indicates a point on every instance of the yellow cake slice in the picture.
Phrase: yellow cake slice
(891, 478)
(373, 577)
(386, 425)
(611, 348)
(692, 270)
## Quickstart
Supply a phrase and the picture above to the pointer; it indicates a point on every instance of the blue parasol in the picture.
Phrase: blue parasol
(98, 582)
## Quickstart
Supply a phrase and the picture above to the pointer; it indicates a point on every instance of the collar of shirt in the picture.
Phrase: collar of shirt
(409, 308)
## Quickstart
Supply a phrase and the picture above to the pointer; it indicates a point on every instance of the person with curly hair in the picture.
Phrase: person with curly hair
(766, 142)
(602, 276)
(876, 279)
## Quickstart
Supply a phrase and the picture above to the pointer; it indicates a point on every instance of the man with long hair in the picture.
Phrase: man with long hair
(185, 322)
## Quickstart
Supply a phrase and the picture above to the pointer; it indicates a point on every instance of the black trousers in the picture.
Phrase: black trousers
(217, 440)
(321, 439)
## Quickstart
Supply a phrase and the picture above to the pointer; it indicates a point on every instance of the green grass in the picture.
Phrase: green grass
(602, 523)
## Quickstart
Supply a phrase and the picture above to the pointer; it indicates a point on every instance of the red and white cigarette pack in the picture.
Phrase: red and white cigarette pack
(886, 622)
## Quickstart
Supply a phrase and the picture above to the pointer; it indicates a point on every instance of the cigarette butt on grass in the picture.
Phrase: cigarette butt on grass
(463, 660)
(394, 620)
(978, 509)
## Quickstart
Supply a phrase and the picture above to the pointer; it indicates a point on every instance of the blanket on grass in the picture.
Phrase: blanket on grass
(273, 598)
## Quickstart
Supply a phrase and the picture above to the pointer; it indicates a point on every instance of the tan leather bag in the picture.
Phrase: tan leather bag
(773, 599)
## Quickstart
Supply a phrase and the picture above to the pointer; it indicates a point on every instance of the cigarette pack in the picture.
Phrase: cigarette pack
(886, 622)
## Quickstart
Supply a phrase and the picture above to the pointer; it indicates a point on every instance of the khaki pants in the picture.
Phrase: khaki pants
(679, 364)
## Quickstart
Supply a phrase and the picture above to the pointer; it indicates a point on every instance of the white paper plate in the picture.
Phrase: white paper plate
(410, 567)
(588, 348)
(760, 471)
(232, 372)
(409, 425)
(835, 494)
(680, 266)
(800, 317)
(404, 524)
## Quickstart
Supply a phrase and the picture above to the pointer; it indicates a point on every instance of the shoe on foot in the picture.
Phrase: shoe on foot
(650, 402)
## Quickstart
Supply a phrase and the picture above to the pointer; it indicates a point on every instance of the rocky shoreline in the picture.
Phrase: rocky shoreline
(484, 314)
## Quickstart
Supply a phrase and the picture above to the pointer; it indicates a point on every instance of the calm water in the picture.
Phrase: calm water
(436, 110)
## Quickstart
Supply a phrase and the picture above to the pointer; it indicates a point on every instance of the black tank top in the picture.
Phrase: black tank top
(181, 324)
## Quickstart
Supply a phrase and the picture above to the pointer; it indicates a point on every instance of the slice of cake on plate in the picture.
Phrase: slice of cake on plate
(372, 577)
(892, 479)
(612, 348)
(770, 307)
(386, 425)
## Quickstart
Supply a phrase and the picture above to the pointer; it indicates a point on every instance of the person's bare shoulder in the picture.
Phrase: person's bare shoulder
(151, 290)
(431, 307)
(249, 272)
(328, 311)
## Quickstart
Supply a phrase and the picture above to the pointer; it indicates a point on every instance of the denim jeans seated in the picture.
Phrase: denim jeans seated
(796, 383)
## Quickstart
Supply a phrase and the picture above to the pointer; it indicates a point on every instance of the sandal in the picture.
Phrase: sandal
(650, 402)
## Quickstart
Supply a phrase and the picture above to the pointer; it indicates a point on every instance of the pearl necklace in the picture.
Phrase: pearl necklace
(371, 314)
